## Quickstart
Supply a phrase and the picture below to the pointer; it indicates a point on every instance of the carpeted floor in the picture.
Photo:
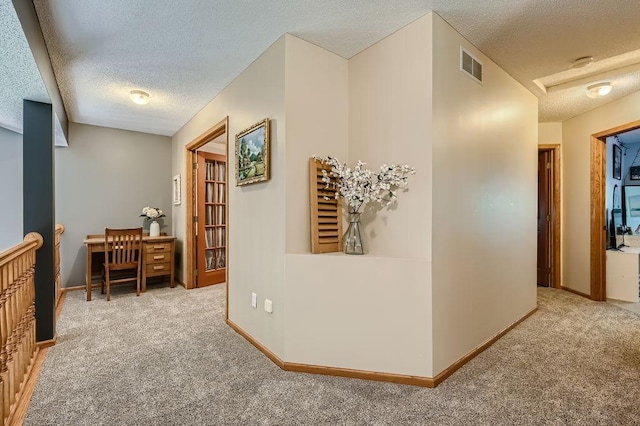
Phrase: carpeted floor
(629, 306)
(168, 358)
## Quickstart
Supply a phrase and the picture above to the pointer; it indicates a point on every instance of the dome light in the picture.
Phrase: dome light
(139, 96)
(598, 90)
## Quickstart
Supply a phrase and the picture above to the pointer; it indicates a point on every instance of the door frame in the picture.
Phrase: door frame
(598, 221)
(218, 129)
(556, 242)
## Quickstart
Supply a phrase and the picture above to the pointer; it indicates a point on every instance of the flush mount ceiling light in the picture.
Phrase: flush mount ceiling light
(598, 90)
(582, 62)
(139, 96)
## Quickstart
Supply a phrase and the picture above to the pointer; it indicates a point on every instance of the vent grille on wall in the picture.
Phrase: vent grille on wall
(470, 65)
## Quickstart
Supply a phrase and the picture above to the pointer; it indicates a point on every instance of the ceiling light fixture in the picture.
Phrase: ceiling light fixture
(598, 90)
(139, 96)
(582, 62)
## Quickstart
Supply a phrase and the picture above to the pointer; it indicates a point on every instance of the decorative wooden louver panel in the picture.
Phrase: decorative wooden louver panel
(326, 214)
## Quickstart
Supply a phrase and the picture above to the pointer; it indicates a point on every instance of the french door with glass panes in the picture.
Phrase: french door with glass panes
(211, 236)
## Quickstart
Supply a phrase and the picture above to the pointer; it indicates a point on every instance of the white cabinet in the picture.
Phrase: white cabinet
(623, 269)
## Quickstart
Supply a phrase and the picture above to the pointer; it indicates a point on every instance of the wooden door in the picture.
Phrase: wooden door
(211, 237)
(544, 218)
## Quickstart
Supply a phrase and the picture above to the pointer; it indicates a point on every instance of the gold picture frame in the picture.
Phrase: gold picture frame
(252, 154)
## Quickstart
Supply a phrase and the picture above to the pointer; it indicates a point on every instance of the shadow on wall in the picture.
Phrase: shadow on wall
(76, 276)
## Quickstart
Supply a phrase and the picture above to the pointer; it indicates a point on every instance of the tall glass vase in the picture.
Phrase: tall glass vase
(353, 243)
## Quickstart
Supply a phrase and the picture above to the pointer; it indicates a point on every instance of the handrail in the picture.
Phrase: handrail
(32, 239)
(17, 320)
(58, 289)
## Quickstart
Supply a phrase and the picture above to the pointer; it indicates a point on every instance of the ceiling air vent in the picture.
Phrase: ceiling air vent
(470, 65)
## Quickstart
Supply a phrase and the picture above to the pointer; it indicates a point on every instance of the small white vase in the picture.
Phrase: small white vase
(154, 229)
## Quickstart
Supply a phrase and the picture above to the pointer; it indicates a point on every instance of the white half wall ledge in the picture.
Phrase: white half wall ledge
(365, 313)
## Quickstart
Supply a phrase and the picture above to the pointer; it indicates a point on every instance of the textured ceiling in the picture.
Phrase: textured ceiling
(184, 53)
(20, 77)
(532, 39)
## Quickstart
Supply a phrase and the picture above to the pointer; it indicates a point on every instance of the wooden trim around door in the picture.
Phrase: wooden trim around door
(556, 240)
(220, 128)
(598, 221)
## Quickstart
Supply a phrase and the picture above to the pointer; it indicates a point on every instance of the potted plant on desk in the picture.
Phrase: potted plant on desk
(153, 214)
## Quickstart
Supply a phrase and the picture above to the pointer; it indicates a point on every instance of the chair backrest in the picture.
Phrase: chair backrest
(122, 246)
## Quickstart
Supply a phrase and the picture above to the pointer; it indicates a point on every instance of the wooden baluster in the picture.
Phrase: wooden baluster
(4, 380)
(4, 279)
(17, 320)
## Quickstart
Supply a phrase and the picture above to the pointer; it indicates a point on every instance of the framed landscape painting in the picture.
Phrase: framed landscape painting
(252, 154)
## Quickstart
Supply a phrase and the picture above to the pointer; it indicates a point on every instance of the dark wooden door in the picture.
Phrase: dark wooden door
(211, 238)
(544, 218)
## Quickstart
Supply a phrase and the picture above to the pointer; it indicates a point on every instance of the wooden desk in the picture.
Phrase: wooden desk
(158, 258)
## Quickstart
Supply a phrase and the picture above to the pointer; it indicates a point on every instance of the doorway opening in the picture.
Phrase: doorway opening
(598, 231)
(206, 200)
(549, 266)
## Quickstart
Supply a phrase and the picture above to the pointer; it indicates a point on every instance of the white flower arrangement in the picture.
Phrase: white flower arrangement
(152, 213)
(359, 185)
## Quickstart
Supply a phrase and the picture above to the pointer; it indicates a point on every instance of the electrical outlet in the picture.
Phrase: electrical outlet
(254, 300)
(268, 305)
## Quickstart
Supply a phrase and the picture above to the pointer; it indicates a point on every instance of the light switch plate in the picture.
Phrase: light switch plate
(254, 300)
(268, 305)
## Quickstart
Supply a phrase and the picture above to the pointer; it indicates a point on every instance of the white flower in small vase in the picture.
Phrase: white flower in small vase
(153, 214)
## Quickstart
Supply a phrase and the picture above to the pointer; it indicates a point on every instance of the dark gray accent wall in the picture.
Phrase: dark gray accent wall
(39, 207)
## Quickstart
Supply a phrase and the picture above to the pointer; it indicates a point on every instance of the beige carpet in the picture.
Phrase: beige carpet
(168, 358)
(629, 306)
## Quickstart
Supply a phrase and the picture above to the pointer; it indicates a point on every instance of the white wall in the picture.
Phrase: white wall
(375, 312)
(576, 139)
(484, 200)
(334, 303)
(317, 124)
(390, 120)
(550, 133)
(104, 179)
(359, 312)
(256, 219)
(11, 189)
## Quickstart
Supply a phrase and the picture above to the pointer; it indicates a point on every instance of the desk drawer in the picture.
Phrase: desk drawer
(155, 269)
(158, 257)
(158, 247)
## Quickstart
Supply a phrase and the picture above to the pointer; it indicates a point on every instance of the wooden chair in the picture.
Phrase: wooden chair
(122, 255)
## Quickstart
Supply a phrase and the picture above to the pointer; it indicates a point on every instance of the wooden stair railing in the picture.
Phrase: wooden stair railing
(59, 231)
(18, 348)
